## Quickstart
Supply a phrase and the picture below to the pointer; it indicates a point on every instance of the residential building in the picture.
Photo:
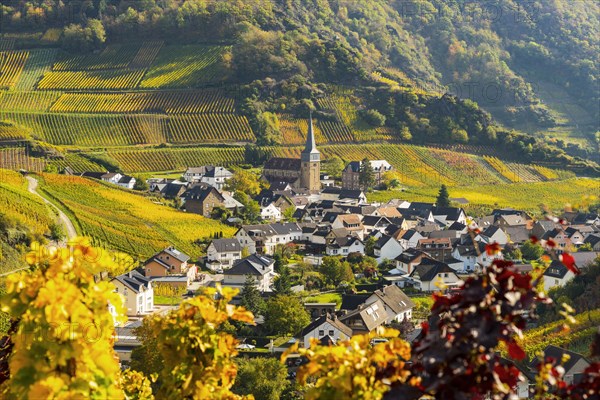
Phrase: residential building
(169, 261)
(556, 275)
(396, 303)
(260, 267)
(436, 248)
(342, 246)
(431, 275)
(136, 291)
(574, 366)
(351, 174)
(387, 248)
(324, 326)
(216, 176)
(366, 318)
(222, 253)
(202, 200)
(449, 215)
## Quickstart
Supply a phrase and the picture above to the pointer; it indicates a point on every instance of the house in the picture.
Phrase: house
(492, 234)
(335, 193)
(270, 213)
(375, 223)
(257, 238)
(342, 246)
(594, 241)
(222, 253)
(202, 200)
(473, 256)
(556, 275)
(396, 303)
(317, 310)
(351, 222)
(387, 211)
(126, 181)
(366, 318)
(436, 248)
(260, 267)
(216, 176)
(193, 174)
(387, 248)
(517, 234)
(586, 219)
(325, 326)
(408, 260)
(575, 236)
(526, 378)
(136, 291)
(351, 173)
(449, 215)
(327, 180)
(539, 228)
(409, 239)
(431, 275)
(561, 238)
(171, 190)
(505, 221)
(574, 366)
(175, 281)
(169, 261)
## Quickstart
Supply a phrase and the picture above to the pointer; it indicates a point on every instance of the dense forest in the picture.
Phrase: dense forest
(424, 67)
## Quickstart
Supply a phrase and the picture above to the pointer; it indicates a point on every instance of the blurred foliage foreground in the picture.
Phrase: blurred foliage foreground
(60, 344)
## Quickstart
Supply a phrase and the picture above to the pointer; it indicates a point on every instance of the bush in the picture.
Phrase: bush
(373, 117)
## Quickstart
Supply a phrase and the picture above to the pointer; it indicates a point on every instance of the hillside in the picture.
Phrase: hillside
(114, 75)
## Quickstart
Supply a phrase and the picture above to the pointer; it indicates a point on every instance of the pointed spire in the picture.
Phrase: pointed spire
(311, 145)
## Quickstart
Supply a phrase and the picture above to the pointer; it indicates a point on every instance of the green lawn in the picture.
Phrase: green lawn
(326, 298)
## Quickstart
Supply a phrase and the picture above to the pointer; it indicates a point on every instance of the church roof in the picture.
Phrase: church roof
(311, 145)
(288, 164)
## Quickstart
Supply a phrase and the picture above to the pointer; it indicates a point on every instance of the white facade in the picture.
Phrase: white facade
(355, 246)
(326, 328)
(270, 213)
(136, 302)
(225, 258)
(390, 250)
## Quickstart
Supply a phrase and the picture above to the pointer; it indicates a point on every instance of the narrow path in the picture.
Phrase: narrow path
(32, 184)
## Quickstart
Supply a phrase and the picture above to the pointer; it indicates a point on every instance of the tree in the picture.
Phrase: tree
(370, 246)
(83, 39)
(140, 184)
(245, 182)
(333, 166)
(250, 213)
(392, 179)
(443, 199)
(531, 251)
(373, 117)
(366, 177)
(288, 214)
(265, 378)
(57, 232)
(251, 298)
(282, 283)
(285, 315)
(220, 213)
(334, 270)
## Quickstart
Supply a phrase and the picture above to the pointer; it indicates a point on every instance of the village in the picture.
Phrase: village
(342, 266)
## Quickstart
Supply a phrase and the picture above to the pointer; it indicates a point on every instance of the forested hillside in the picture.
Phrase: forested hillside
(519, 78)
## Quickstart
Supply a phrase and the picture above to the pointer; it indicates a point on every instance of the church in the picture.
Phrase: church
(302, 173)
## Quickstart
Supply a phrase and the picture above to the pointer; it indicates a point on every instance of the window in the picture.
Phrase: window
(331, 333)
(321, 333)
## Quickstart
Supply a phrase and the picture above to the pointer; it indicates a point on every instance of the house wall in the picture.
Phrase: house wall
(390, 250)
(225, 259)
(550, 281)
(205, 207)
(155, 269)
(431, 286)
(136, 303)
(262, 282)
(325, 327)
(392, 316)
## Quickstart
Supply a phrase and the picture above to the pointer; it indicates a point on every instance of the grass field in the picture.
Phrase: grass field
(326, 298)
(126, 221)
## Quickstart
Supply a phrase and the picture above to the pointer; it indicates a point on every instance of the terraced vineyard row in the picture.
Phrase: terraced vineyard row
(209, 128)
(11, 67)
(175, 159)
(185, 67)
(27, 101)
(170, 102)
(17, 158)
(293, 130)
(146, 54)
(7, 44)
(502, 169)
(114, 56)
(75, 162)
(88, 80)
(525, 172)
(471, 170)
(125, 130)
(11, 132)
(39, 62)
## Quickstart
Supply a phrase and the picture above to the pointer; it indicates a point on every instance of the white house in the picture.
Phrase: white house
(127, 182)
(432, 275)
(472, 258)
(375, 223)
(574, 366)
(342, 246)
(136, 291)
(397, 304)
(270, 213)
(216, 176)
(257, 238)
(325, 328)
(222, 253)
(193, 174)
(556, 275)
(387, 248)
(493, 234)
(409, 239)
(449, 215)
(258, 266)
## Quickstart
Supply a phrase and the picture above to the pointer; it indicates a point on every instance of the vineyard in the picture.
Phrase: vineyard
(185, 67)
(175, 159)
(24, 207)
(27, 101)
(17, 158)
(76, 162)
(39, 62)
(208, 128)
(502, 169)
(10, 132)
(169, 102)
(87, 80)
(125, 221)
(114, 56)
(11, 67)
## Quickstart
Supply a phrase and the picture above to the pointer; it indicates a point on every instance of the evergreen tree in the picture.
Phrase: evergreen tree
(283, 284)
(251, 297)
(366, 177)
(443, 199)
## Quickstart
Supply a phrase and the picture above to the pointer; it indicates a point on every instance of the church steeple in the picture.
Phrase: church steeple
(310, 152)
(310, 161)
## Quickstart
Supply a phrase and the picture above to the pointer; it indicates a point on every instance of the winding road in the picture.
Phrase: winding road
(32, 184)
